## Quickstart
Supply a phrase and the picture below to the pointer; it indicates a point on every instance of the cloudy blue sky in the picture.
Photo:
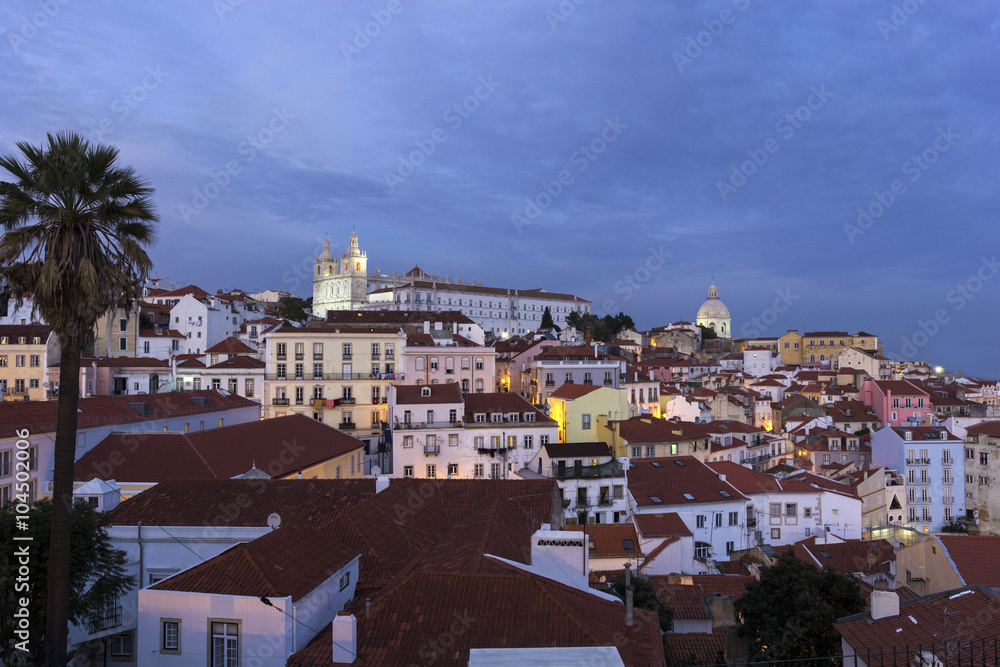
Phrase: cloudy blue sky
(566, 145)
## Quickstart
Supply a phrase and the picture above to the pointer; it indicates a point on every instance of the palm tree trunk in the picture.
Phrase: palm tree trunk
(57, 613)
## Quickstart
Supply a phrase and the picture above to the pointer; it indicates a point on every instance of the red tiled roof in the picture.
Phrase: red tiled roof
(703, 647)
(193, 290)
(898, 387)
(160, 333)
(394, 317)
(665, 524)
(722, 584)
(411, 394)
(570, 391)
(290, 561)
(40, 416)
(499, 528)
(281, 445)
(510, 610)
(497, 402)
(848, 557)
(240, 361)
(572, 352)
(975, 557)
(241, 502)
(29, 331)
(952, 619)
(122, 362)
(608, 540)
(991, 429)
(685, 599)
(230, 346)
(668, 479)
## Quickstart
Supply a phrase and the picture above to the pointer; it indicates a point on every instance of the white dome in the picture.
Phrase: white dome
(713, 308)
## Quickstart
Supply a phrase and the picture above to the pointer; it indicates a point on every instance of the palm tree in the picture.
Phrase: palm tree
(74, 226)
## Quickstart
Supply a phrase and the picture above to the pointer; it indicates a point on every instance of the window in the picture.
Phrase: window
(529, 441)
(279, 371)
(702, 550)
(807, 512)
(947, 475)
(121, 646)
(123, 324)
(586, 422)
(317, 371)
(3, 360)
(478, 470)
(347, 351)
(407, 441)
(969, 453)
(479, 363)
(637, 452)
(225, 644)
(233, 385)
(345, 580)
(479, 386)
(300, 351)
(35, 360)
(5, 459)
(543, 439)
(650, 450)
(775, 533)
(700, 521)
(171, 636)
(431, 471)
(718, 520)
(122, 345)
(280, 350)
(775, 509)
(730, 546)
(32, 459)
(407, 471)
(734, 518)
(453, 439)
(791, 510)
(248, 388)
(984, 458)
(453, 469)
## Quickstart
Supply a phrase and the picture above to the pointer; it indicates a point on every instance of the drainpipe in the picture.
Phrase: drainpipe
(139, 537)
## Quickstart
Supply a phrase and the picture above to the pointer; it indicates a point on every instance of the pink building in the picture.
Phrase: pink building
(440, 356)
(897, 402)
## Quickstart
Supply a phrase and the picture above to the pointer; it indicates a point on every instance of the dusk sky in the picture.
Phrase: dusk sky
(837, 160)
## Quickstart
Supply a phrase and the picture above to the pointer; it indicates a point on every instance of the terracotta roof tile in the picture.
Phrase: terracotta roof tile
(703, 647)
(230, 346)
(241, 502)
(290, 561)
(611, 540)
(570, 391)
(677, 481)
(240, 361)
(510, 610)
(685, 599)
(975, 557)
(281, 445)
(412, 394)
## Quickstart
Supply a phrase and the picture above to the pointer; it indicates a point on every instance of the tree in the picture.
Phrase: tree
(707, 333)
(791, 610)
(644, 597)
(547, 322)
(293, 308)
(74, 224)
(573, 320)
(97, 572)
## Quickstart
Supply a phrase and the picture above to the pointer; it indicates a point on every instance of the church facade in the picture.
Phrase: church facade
(344, 284)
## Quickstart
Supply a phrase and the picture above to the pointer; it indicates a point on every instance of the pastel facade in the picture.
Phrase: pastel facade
(897, 402)
(26, 351)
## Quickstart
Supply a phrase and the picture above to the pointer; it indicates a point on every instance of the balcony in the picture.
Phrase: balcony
(449, 371)
(281, 357)
(111, 618)
(608, 382)
(610, 469)
(347, 356)
(347, 426)
(319, 403)
(432, 449)
(376, 356)
(317, 357)
(412, 425)
(299, 356)
(279, 401)
(924, 462)
(588, 381)
(550, 383)
(347, 400)
(394, 377)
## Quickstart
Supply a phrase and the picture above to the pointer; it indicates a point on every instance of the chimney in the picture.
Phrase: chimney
(368, 608)
(381, 483)
(345, 638)
(884, 604)
(628, 597)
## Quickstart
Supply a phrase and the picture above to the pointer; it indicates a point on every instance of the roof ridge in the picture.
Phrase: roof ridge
(245, 550)
(199, 455)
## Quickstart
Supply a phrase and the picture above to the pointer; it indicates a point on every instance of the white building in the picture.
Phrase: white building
(344, 283)
(592, 481)
(203, 319)
(438, 432)
(759, 361)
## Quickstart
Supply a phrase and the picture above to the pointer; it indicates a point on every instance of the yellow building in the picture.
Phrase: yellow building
(116, 333)
(820, 346)
(26, 350)
(337, 375)
(576, 408)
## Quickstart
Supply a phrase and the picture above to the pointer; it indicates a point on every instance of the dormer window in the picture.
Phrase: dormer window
(496, 417)
(480, 418)
(529, 417)
(425, 391)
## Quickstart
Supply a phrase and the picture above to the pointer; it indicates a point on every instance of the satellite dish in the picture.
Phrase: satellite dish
(273, 520)
(376, 471)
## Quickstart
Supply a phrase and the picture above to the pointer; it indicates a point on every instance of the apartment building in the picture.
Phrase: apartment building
(26, 350)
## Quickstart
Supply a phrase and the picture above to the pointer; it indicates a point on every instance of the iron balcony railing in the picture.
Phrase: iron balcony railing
(111, 618)
(610, 469)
